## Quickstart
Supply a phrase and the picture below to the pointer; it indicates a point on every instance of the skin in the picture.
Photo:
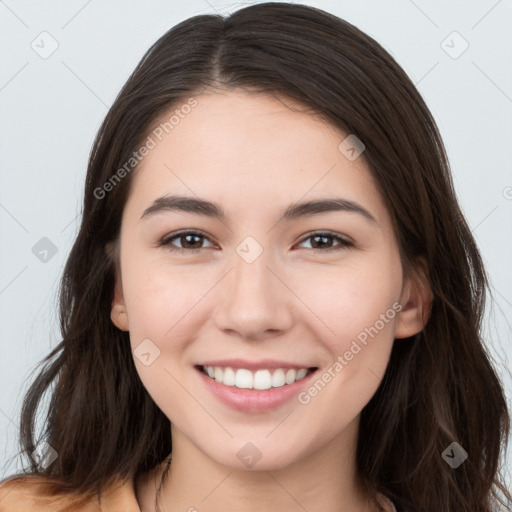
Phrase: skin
(297, 301)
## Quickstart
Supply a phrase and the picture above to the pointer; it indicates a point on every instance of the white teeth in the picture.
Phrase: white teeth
(301, 374)
(278, 379)
(228, 379)
(243, 379)
(261, 379)
(290, 376)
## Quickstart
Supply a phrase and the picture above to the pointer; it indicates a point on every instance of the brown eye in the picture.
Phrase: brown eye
(190, 241)
(323, 241)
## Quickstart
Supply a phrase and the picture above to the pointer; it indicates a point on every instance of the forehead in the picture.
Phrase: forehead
(251, 150)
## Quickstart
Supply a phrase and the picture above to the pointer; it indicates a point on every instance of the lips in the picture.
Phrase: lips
(254, 386)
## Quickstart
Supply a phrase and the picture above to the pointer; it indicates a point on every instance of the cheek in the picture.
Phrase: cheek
(165, 305)
(363, 319)
(160, 305)
(351, 301)
(158, 296)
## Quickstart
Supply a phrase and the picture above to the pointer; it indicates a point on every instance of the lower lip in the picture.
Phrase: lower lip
(254, 400)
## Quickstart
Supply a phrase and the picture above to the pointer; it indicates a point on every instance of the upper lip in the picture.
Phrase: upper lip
(255, 365)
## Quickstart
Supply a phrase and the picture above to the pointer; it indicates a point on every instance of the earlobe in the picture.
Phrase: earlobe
(416, 300)
(118, 313)
(119, 317)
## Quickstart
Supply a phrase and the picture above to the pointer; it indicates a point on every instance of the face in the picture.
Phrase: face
(319, 290)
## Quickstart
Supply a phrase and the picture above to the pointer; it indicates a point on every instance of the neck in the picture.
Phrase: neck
(325, 480)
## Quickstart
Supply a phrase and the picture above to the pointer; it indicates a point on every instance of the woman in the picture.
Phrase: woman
(277, 372)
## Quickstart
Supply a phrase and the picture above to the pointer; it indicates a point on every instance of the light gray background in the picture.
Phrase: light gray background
(51, 108)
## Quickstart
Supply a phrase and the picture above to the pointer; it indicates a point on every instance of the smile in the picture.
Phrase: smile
(263, 379)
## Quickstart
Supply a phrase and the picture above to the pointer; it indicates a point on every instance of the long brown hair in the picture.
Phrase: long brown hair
(440, 386)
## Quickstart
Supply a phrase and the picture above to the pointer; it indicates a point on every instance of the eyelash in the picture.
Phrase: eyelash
(166, 241)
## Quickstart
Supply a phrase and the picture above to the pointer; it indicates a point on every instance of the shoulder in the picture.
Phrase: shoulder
(24, 493)
(29, 493)
(37, 493)
(16, 495)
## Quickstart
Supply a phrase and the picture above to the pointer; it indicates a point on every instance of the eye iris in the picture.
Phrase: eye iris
(321, 237)
(186, 237)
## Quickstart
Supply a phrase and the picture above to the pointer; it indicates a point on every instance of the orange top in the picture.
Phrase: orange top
(27, 496)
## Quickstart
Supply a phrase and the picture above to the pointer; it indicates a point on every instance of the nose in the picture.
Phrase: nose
(255, 302)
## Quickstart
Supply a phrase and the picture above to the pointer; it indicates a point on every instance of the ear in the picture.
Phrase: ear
(416, 300)
(118, 313)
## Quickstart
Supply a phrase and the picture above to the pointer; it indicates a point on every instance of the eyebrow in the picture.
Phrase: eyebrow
(292, 212)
